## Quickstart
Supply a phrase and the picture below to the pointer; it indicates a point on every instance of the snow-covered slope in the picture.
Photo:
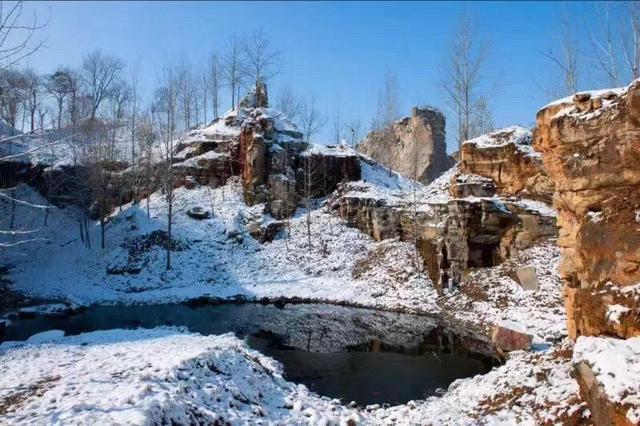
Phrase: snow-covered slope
(164, 376)
(219, 257)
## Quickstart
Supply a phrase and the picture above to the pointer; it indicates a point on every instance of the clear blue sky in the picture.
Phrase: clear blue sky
(337, 52)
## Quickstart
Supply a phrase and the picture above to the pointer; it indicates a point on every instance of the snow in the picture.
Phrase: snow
(158, 376)
(618, 91)
(614, 312)
(529, 389)
(515, 134)
(193, 161)
(167, 375)
(595, 217)
(513, 325)
(214, 263)
(332, 150)
(615, 364)
(543, 209)
(491, 296)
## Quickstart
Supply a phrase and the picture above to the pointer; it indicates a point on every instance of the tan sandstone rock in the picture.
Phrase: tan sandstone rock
(506, 157)
(591, 150)
(414, 146)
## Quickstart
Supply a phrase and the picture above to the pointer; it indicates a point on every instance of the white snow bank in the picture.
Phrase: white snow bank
(615, 365)
(333, 150)
(618, 91)
(514, 134)
(158, 376)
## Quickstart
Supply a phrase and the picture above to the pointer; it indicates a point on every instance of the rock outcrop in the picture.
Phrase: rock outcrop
(590, 145)
(278, 168)
(507, 159)
(453, 235)
(414, 146)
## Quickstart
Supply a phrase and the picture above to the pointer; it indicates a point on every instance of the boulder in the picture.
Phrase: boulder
(265, 232)
(528, 278)
(509, 336)
(414, 146)
(198, 213)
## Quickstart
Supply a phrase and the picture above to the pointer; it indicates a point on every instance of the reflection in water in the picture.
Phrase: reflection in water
(354, 354)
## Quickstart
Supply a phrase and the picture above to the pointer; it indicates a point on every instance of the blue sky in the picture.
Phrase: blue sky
(335, 51)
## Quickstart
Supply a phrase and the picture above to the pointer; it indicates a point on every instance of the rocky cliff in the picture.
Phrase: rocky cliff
(591, 149)
(590, 145)
(506, 158)
(415, 146)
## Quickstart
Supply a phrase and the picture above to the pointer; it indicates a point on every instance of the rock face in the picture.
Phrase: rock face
(591, 149)
(506, 157)
(590, 145)
(277, 167)
(452, 236)
(414, 146)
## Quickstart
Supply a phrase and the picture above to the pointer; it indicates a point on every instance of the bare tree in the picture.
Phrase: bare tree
(566, 59)
(260, 59)
(232, 69)
(214, 83)
(99, 156)
(60, 86)
(603, 44)
(310, 119)
(388, 102)
(135, 106)
(32, 87)
(186, 91)
(631, 39)
(353, 128)
(18, 34)
(146, 137)
(12, 84)
(462, 75)
(289, 103)
(99, 73)
(169, 97)
(482, 120)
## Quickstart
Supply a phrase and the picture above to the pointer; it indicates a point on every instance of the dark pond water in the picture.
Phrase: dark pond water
(353, 354)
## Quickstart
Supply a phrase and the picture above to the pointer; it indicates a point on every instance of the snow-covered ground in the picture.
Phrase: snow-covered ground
(166, 375)
(615, 364)
(219, 259)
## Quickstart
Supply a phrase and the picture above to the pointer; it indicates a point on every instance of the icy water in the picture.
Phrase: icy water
(360, 355)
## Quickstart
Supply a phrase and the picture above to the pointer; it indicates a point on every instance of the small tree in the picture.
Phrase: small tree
(60, 86)
(289, 103)
(310, 119)
(388, 102)
(213, 83)
(168, 97)
(462, 76)
(261, 60)
(232, 68)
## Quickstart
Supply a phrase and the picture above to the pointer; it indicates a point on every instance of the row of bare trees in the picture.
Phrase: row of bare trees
(611, 48)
